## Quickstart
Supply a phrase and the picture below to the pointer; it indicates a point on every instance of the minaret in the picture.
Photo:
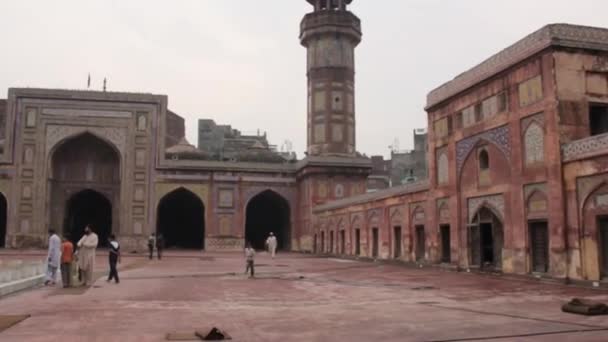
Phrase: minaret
(330, 34)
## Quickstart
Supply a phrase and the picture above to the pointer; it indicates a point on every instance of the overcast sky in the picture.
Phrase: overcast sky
(239, 62)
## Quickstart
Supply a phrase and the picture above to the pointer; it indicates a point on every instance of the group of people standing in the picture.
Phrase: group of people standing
(271, 245)
(62, 254)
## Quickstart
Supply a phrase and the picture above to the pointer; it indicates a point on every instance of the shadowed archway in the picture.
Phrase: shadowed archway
(88, 207)
(3, 217)
(486, 240)
(181, 220)
(265, 213)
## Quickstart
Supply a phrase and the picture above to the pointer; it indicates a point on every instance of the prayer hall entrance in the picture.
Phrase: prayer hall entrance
(486, 240)
(88, 207)
(181, 220)
(85, 187)
(265, 213)
(3, 217)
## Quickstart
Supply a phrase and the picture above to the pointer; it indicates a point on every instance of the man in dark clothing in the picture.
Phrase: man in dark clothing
(160, 244)
(151, 244)
(114, 259)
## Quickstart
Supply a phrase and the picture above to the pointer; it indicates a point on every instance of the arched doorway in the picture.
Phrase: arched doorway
(3, 217)
(181, 220)
(486, 240)
(88, 207)
(85, 187)
(265, 213)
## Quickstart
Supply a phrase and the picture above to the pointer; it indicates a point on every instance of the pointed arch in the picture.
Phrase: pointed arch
(443, 166)
(181, 219)
(534, 144)
(265, 213)
(499, 137)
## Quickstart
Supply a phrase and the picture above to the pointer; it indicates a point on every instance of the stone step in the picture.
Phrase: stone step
(17, 275)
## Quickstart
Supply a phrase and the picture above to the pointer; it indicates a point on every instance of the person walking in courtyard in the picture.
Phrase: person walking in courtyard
(53, 257)
(160, 244)
(249, 257)
(151, 244)
(86, 254)
(271, 243)
(67, 257)
(114, 259)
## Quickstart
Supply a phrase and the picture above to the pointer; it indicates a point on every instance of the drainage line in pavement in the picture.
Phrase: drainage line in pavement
(519, 317)
(486, 338)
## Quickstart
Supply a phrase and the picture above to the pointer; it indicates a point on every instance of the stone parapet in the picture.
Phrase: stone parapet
(585, 148)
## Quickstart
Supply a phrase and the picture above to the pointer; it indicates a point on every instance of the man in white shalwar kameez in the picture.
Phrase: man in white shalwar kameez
(53, 257)
(86, 255)
(271, 242)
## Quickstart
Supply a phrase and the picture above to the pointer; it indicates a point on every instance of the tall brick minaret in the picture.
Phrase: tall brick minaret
(332, 169)
(330, 34)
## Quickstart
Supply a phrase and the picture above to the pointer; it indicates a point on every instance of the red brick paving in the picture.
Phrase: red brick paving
(300, 298)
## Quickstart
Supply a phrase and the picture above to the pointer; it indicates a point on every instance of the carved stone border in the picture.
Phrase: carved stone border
(496, 202)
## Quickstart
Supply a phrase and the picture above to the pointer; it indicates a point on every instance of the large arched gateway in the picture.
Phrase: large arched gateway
(181, 220)
(85, 187)
(265, 213)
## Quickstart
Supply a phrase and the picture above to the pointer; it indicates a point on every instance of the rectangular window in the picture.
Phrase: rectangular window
(441, 128)
(468, 117)
(458, 121)
(598, 119)
(319, 100)
(319, 133)
(530, 91)
(503, 104)
(337, 132)
(489, 107)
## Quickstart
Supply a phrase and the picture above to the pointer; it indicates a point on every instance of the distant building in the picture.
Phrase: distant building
(222, 142)
(380, 178)
(403, 167)
(410, 166)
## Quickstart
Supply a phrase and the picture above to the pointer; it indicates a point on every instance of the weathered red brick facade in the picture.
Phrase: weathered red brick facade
(517, 165)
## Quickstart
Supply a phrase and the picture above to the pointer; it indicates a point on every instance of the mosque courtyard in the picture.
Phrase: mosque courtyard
(298, 298)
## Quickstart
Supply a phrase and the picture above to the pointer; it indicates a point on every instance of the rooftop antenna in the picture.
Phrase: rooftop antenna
(89, 81)
(105, 81)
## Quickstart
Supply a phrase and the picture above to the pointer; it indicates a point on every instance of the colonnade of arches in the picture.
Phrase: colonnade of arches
(484, 234)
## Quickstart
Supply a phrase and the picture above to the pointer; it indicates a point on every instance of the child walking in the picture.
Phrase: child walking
(114, 259)
(249, 256)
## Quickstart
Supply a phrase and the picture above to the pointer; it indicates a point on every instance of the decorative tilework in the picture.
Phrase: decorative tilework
(534, 144)
(530, 188)
(499, 136)
(417, 212)
(586, 185)
(286, 193)
(356, 219)
(396, 214)
(225, 198)
(57, 133)
(373, 216)
(496, 202)
(538, 118)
